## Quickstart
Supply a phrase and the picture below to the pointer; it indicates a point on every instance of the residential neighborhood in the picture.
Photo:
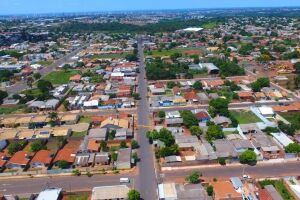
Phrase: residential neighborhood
(182, 104)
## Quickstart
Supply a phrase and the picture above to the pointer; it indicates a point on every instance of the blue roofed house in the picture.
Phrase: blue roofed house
(3, 144)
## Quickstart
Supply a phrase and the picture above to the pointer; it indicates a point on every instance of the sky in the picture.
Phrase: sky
(59, 6)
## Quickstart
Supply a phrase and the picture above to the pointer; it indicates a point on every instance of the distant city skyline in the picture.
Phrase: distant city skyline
(8, 7)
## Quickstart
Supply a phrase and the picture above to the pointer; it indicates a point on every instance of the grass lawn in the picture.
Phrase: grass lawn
(230, 132)
(245, 117)
(9, 110)
(60, 77)
(85, 119)
(280, 187)
(80, 196)
(78, 134)
(45, 62)
(34, 92)
(211, 25)
(158, 53)
(293, 118)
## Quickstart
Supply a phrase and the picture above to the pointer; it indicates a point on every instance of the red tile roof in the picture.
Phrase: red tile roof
(2, 162)
(65, 154)
(42, 156)
(20, 158)
(76, 77)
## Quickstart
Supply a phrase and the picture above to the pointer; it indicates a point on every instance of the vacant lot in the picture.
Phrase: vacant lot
(13, 109)
(245, 117)
(160, 53)
(60, 77)
(112, 56)
(293, 118)
(79, 196)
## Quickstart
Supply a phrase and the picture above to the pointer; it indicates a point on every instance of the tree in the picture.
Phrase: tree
(66, 67)
(169, 150)
(196, 130)
(114, 156)
(131, 57)
(171, 84)
(194, 177)
(3, 95)
(134, 144)
(76, 172)
(260, 83)
(197, 85)
(214, 132)
(287, 128)
(62, 164)
(136, 96)
(37, 146)
(37, 76)
(103, 146)
(161, 114)
(292, 148)
(123, 145)
(218, 106)
(14, 147)
(210, 190)
(297, 67)
(189, 119)
(133, 195)
(248, 157)
(222, 161)
(44, 86)
(111, 134)
(29, 81)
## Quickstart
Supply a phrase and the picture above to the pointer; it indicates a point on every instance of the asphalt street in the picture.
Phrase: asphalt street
(146, 182)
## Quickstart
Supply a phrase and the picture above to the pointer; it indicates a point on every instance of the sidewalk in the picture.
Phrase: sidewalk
(268, 162)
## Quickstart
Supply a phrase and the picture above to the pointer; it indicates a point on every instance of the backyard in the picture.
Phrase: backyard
(293, 118)
(245, 117)
(12, 109)
(280, 187)
(60, 77)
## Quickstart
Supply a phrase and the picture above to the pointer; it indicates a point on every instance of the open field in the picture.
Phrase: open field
(116, 56)
(12, 109)
(45, 62)
(245, 117)
(60, 77)
(160, 53)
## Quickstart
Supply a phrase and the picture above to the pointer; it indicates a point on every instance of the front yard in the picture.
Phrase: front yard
(293, 118)
(245, 117)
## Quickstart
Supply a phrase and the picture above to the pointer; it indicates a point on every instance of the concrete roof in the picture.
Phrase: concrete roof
(110, 192)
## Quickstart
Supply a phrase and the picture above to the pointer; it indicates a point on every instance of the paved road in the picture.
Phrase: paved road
(22, 85)
(68, 183)
(258, 171)
(146, 181)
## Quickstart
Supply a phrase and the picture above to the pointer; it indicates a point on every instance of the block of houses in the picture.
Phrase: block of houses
(124, 159)
(41, 159)
(19, 160)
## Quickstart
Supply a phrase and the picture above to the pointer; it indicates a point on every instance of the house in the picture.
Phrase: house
(186, 142)
(102, 158)
(269, 192)
(241, 145)
(114, 123)
(222, 121)
(224, 190)
(216, 83)
(98, 134)
(8, 122)
(24, 121)
(50, 194)
(3, 160)
(110, 192)
(202, 98)
(84, 159)
(173, 121)
(41, 159)
(69, 119)
(76, 78)
(266, 111)
(65, 154)
(157, 89)
(51, 104)
(19, 160)
(167, 191)
(191, 192)
(245, 96)
(124, 159)
(210, 67)
(225, 149)
(3, 144)
(39, 121)
(260, 96)
(191, 97)
(172, 159)
(173, 114)
(213, 96)
(282, 139)
(123, 134)
(248, 128)
(202, 115)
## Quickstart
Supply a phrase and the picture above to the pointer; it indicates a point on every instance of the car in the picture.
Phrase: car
(124, 180)
(245, 176)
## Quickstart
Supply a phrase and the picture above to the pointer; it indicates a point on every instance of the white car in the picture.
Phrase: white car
(245, 176)
(124, 180)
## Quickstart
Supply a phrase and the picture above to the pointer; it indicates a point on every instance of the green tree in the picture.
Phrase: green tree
(134, 144)
(260, 83)
(292, 148)
(210, 190)
(171, 84)
(194, 177)
(44, 86)
(198, 85)
(14, 147)
(161, 114)
(37, 76)
(3, 95)
(169, 150)
(189, 119)
(248, 157)
(114, 156)
(37, 146)
(62, 164)
(76, 172)
(133, 195)
(297, 67)
(218, 106)
(222, 161)
(123, 145)
(103, 146)
(196, 130)
(214, 132)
